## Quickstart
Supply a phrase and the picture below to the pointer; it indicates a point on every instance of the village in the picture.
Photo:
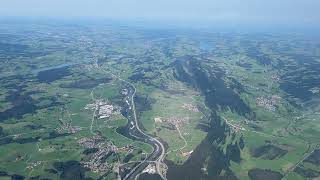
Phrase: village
(190, 107)
(98, 151)
(315, 90)
(66, 127)
(177, 123)
(268, 103)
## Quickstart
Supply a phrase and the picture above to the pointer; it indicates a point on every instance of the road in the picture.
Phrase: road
(135, 132)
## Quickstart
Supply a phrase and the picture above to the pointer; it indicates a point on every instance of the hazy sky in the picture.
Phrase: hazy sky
(303, 12)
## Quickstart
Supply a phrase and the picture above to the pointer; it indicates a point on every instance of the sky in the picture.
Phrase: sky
(276, 12)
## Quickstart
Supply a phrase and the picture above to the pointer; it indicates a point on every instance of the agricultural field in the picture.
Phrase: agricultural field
(95, 101)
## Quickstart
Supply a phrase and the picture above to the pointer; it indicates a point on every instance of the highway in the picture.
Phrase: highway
(136, 133)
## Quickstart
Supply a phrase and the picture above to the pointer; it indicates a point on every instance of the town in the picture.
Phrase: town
(103, 109)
